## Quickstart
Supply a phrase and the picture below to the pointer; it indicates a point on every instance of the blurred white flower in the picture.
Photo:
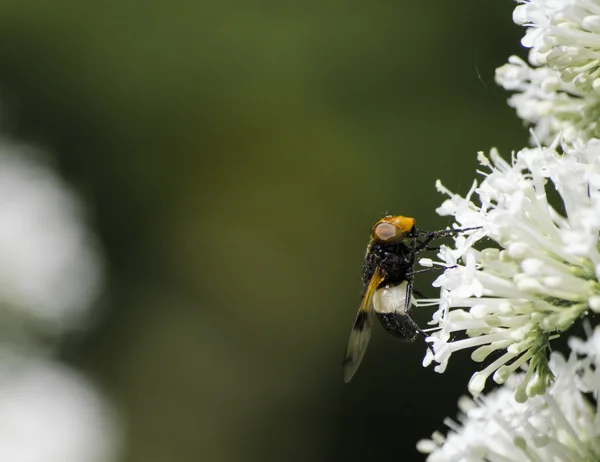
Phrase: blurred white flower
(50, 277)
(561, 425)
(48, 413)
(50, 271)
(549, 104)
(512, 300)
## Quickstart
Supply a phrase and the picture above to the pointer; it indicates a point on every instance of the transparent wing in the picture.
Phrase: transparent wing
(361, 331)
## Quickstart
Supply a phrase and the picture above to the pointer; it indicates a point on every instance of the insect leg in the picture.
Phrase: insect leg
(420, 331)
(426, 270)
(431, 235)
(409, 292)
(418, 246)
(450, 232)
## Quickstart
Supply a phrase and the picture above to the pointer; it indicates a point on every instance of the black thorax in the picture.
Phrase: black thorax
(395, 261)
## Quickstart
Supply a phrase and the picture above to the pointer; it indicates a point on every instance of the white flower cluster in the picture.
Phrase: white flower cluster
(528, 267)
(561, 425)
(51, 274)
(514, 299)
(561, 93)
(549, 104)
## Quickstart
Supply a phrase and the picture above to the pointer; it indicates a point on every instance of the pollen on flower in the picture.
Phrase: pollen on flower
(508, 301)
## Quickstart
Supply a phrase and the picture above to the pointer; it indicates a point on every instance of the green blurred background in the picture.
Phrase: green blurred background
(235, 155)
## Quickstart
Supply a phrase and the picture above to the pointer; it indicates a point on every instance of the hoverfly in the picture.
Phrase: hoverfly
(388, 280)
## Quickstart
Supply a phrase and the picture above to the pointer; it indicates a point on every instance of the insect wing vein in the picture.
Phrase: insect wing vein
(361, 331)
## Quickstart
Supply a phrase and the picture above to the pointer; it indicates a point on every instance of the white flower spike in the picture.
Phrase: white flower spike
(536, 266)
(560, 94)
(560, 425)
(549, 104)
(538, 277)
(565, 35)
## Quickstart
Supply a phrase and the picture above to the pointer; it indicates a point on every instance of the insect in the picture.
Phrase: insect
(388, 280)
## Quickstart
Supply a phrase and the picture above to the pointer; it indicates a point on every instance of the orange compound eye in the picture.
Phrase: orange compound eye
(391, 229)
